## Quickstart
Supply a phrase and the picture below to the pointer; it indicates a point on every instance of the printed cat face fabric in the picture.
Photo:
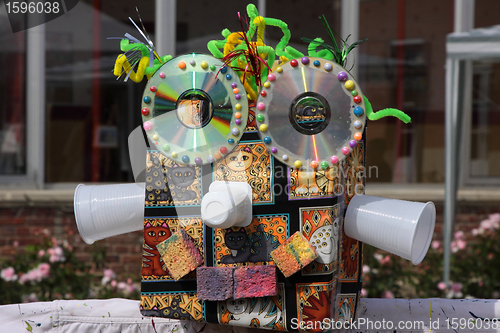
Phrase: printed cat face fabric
(285, 200)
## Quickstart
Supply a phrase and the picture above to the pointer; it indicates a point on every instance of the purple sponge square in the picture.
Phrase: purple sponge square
(214, 283)
(255, 281)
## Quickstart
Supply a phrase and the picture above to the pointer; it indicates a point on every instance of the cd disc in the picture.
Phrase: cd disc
(310, 113)
(194, 109)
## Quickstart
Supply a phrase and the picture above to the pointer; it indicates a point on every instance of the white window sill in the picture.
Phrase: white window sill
(62, 194)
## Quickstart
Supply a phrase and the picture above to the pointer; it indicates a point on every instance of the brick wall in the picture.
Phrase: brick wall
(24, 225)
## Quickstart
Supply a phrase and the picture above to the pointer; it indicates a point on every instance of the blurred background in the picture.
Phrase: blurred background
(65, 119)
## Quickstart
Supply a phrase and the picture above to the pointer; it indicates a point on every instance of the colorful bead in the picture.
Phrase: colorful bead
(274, 150)
(230, 141)
(217, 155)
(357, 124)
(261, 106)
(147, 99)
(304, 60)
(162, 75)
(237, 115)
(324, 165)
(345, 150)
(210, 158)
(285, 157)
(237, 96)
(267, 140)
(234, 85)
(263, 127)
(357, 99)
(353, 143)
(181, 64)
(228, 76)
(334, 159)
(235, 90)
(212, 68)
(271, 77)
(174, 154)
(294, 63)
(316, 63)
(155, 137)
(237, 121)
(279, 70)
(152, 88)
(342, 76)
(192, 62)
(297, 164)
(349, 85)
(328, 67)
(358, 136)
(238, 107)
(260, 117)
(147, 126)
(267, 84)
(198, 160)
(223, 150)
(358, 111)
(185, 159)
(314, 164)
(354, 92)
(263, 93)
(204, 64)
(145, 111)
(235, 131)
(165, 147)
(223, 70)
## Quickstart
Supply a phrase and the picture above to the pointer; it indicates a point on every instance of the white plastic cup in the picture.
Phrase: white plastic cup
(401, 227)
(103, 211)
(227, 204)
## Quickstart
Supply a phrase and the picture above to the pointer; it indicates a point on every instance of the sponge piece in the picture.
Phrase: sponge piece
(214, 283)
(179, 254)
(255, 281)
(295, 253)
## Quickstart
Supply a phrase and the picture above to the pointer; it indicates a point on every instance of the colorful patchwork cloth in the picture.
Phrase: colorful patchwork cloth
(285, 201)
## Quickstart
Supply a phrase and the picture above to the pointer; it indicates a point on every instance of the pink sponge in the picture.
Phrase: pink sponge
(214, 283)
(295, 253)
(179, 254)
(255, 281)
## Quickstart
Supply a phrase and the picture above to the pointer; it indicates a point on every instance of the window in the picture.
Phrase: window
(13, 96)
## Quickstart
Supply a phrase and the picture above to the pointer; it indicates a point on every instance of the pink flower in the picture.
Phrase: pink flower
(441, 285)
(461, 244)
(44, 269)
(108, 276)
(8, 274)
(122, 285)
(435, 244)
(364, 293)
(108, 273)
(366, 269)
(56, 254)
(387, 294)
(475, 232)
(16, 243)
(459, 235)
(113, 283)
(385, 260)
(456, 287)
(41, 253)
